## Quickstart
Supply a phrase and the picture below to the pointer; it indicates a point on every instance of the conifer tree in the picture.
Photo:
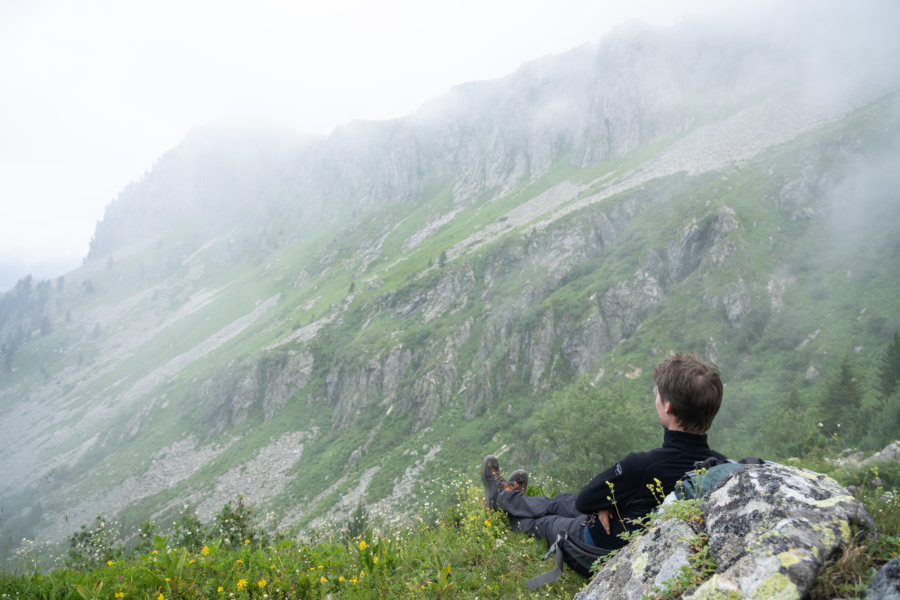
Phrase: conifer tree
(889, 369)
(840, 403)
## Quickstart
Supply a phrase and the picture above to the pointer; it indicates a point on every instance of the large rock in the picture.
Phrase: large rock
(770, 529)
(890, 452)
(885, 584)
(649, 562)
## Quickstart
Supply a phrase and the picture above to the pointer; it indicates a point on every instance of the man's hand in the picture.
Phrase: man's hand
(603, 516)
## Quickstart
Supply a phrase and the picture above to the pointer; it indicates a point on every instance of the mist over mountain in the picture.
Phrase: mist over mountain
(315, 322)
(10, 271)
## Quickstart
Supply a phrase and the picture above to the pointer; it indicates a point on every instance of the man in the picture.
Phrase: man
(688, 395)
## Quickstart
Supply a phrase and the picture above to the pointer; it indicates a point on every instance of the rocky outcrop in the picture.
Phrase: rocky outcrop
(294, 375)
(228, 398)
(231, 395)
(770, 528)
(651, 560)
(856, 459)
(885, 584)
(630, 302)
(528, 338)
(736, 300)
(352, 390)
(890, 452)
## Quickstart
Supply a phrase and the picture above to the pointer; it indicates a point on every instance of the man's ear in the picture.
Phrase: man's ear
(667, 407)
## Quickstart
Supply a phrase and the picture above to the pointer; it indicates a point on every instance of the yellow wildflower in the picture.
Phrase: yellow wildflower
(354, 581)
(221, 589)
(341, 579)
(375, 559)
(160, 597)
(239, 561)
(246, 541)
(110, 562)
(205, 550)
(487, 523)
(154, 552)
(362, 545)
(323, 579)
(242, 583)
(120, 594)
(261, 583)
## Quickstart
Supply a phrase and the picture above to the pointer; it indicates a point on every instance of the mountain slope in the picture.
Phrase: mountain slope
(317, 322)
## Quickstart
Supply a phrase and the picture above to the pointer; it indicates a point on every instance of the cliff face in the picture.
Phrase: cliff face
(539, 344)
(310, 322)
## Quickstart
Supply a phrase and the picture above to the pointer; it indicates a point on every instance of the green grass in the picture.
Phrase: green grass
(451, 548)
(460, 551)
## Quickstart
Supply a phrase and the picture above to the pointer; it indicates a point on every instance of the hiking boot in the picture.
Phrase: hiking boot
(518, 481)
(493, 481)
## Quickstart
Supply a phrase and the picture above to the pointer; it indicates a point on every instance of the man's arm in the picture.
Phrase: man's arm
(596, 498)
(597, 495)
(614, 486)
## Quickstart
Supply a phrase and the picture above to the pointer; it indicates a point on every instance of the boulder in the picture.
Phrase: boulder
(770, 528)
(890, 452)
(885, 584)
(648, 562)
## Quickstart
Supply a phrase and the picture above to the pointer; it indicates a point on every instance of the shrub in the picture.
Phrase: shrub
(235, 526)
(145, 535)
(93, 547)
(189, 532)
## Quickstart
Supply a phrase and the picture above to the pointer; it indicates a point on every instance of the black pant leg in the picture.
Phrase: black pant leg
(518, 505)
(548, 527)
(542, 517)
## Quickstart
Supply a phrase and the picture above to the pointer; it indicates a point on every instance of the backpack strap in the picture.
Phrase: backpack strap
(577, 550)
(550, 576)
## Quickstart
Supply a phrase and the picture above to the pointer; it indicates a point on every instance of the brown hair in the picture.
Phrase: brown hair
(694, 389)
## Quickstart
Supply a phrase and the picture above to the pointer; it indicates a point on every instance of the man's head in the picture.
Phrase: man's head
(692, 388)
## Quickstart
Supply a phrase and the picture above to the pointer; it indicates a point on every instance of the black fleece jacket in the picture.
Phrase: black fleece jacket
(624, 486)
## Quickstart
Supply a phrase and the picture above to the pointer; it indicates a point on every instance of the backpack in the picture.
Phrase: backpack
(707, 474)
(578, 555)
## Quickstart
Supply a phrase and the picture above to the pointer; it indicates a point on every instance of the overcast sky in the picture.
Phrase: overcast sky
(93, 91)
